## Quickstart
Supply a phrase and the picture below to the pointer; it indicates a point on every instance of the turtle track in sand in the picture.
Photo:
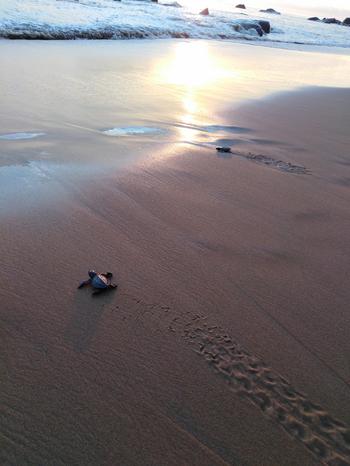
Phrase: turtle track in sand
(260, 159)
(248, 376)
(327, 438)
(273, 163)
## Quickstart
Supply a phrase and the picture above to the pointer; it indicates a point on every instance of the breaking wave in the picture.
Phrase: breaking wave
(132, 19)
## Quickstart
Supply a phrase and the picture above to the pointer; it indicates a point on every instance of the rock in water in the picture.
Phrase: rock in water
(241, 5)
(271, 11)
(265, 26)
(254, 26)
(331, 21)
(204, 12)
(314, 18)
(346, 22)
(245, 26)
(261, 27)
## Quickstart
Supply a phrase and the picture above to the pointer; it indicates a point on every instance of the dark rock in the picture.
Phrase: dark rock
(346, 22)
(261, 27)
(265, 26)
(271, 11)
(245, 26)
(258, 29)
(331, 21)
(180, 35)
(204, 12)
(241, 5)
(314, 18)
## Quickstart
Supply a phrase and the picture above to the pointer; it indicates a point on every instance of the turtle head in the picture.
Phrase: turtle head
(92, 273)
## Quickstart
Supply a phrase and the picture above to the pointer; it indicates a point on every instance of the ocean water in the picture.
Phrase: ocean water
(143, 19)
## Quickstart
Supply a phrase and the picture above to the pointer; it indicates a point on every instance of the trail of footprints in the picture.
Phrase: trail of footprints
(273, 163)
(327, 438)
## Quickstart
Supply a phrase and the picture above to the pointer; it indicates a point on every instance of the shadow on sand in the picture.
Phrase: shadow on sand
(86, 315)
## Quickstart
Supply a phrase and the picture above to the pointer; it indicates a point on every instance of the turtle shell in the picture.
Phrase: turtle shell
(99, 281)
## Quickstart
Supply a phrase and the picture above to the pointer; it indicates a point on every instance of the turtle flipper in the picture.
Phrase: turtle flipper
(84, 283)
(112, 286)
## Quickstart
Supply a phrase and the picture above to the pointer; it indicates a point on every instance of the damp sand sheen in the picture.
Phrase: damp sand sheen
(226, 342)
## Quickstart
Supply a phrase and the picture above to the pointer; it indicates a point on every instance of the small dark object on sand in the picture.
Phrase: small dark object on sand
(99, 281)
(223, 149)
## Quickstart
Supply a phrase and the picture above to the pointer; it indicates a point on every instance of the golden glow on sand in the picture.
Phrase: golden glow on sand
(198, 74)
(192, 65)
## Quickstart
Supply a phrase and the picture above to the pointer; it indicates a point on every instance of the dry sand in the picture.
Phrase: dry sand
(242, 262)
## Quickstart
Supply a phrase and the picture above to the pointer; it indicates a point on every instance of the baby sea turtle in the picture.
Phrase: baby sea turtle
(223, 149)
(99, 281)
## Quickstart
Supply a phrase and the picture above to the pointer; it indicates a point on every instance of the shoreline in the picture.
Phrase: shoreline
(273, 44)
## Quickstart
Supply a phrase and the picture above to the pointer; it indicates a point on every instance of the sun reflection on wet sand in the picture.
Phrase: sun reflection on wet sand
(186, 131)
(189, 103)
(192, 67)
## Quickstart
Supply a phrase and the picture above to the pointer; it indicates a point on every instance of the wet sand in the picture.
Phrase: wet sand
(262, 253)
(227, 339)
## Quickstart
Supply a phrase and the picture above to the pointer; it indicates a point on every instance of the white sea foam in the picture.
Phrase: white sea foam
(133, 131)
(68, 19)
(20, 136)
